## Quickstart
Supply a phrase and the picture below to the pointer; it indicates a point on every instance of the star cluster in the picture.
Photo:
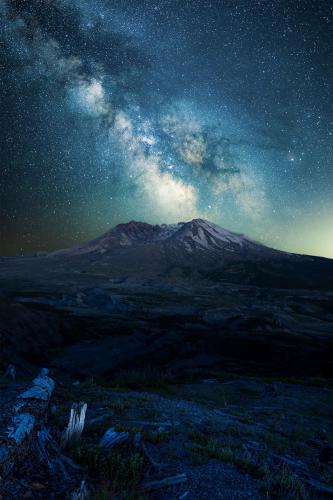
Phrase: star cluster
(164, 111)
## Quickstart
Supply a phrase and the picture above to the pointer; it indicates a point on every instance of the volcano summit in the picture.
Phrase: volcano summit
(197, 249)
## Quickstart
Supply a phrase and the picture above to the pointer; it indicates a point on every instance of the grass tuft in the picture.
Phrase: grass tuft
(115, 472)
(212, 448)
(283, 484)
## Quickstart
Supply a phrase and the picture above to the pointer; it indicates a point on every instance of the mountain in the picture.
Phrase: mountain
(196, 249)
(184, 239)
(175, 296)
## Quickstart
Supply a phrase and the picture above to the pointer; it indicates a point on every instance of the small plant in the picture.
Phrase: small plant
(116, 471)
(275, 441)
(294, 442)
(284, 485)
(223, 453)
(212, 448)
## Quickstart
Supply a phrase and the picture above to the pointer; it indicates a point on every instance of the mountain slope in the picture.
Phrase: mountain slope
(186, 237)
(197, 249)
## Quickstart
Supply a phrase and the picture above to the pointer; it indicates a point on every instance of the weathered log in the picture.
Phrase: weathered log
(320, 487)
(146, 423)
(22, 427)
(75, 426)
(45, 383)
(41, 390)
(291, 461)
(30, 413)
(162, 483)
(28, 441)
(112, 437)
(35, 392)
(95, 420)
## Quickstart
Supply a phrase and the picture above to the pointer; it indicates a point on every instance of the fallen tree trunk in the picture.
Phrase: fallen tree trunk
(29, 415)
(27, 446)
(112, 437)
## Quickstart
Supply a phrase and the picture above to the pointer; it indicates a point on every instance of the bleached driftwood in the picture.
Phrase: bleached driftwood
(75, 426)
(22, 426)
(112, 437)
(29, 415)
(320, 487)
(42, 389)
(28, 441)
(45, 383)
(159, 425)
(162, 483)
(35, 392)
(11, 372)
(95, 420)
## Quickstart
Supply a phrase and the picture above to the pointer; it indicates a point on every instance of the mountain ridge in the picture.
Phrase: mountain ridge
(197, 250)
(202, 232)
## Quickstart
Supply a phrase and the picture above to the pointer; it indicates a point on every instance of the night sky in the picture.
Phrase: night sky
(163, 111)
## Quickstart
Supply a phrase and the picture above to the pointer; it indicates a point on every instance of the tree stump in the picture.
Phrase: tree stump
(74, 429)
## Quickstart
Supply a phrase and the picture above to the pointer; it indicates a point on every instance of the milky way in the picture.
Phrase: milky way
(165, 111)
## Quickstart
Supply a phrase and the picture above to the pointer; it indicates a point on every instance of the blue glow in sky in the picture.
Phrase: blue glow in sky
(165, 111)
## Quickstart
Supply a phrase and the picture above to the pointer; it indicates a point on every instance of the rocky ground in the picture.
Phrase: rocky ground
(229, 384)
(93, 325)
(234, 437)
